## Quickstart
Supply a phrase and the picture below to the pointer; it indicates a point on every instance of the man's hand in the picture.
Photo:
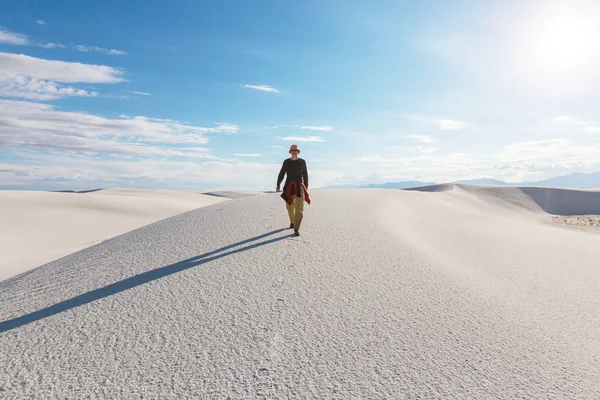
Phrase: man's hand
(277, 189)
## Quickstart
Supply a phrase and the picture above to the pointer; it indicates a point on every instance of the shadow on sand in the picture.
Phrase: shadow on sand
(138, 280)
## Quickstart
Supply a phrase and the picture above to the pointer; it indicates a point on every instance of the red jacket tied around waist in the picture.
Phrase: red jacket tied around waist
(291, 189)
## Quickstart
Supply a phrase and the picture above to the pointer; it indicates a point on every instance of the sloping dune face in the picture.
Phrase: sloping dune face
(565, 201)
(38, 227)
(386, 294)
(551, 200)
(567, 207)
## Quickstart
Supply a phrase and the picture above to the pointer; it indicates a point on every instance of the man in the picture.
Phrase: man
(295, 191)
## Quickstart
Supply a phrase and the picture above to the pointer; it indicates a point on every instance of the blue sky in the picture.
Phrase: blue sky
(204, 95)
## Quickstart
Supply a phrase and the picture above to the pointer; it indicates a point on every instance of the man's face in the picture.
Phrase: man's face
(294, 150)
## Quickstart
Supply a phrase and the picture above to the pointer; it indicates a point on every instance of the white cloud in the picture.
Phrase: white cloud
(449, 124)
(423, 138)
(570, 119)
(303, 139)
(81, 48)
(41, 22)
(587, 127)
(40, 126)
(13, 38)
(37, 89)
(142, 93)
(277, 147)
(428, 150)
(420, 149)
(58, 71)
(531, 160)
(551, 152)
(388, 161)
(262, 88)
(443, 124)
(23, 40)
(39, 79)
(323, 128)
(564, 118)
(66, 144)
(52, 172)
(87, 49)
(51, 45)
(247, 155)
(317, 128)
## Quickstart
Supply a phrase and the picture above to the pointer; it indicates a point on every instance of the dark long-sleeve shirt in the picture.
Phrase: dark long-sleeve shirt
(295, 170)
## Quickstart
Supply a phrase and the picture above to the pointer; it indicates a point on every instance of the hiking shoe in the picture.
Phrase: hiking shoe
(291, 225)
(296, 233)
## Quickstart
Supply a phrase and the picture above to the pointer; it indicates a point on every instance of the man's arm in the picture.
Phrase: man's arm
(305, 175)
(282, 172)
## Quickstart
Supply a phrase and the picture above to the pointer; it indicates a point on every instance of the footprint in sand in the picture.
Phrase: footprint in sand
(263, 372)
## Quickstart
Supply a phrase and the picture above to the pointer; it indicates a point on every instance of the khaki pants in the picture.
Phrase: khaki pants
(296, 209)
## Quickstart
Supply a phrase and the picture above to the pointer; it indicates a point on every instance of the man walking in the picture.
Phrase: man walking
(295, 191)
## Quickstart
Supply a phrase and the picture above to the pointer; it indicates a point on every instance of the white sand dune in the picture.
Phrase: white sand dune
(466, 293)
(39, 227)
(236, 194)
(551, 200)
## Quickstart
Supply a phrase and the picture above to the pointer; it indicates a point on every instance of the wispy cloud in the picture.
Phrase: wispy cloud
(400, 148)
(304, 139)
(41, 126)
(262, 88)
(247, 155)
(75, 171)
(38, 89)
(73, 148)
(566, 118)
(35, 78)
(420, 149)
(41, 22)
(427, 149)
(451, 125)
(24, 40)
(323, 128)
(573, 120)
(142, 93)
(549, 154)
(87, 49)
(317, 128)
(58, 71)
(443, 124)
(423, 138)
(19, 39)
(13, 38)
(51, 45)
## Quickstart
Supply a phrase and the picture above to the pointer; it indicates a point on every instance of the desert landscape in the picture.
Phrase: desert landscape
(446, 291)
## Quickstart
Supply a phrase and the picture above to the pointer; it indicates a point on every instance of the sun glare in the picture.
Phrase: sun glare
(563, 42)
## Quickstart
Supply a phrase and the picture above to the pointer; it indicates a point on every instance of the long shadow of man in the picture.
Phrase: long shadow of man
(138, 280)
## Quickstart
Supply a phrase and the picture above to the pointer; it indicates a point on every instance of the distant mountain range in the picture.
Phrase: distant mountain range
(575, 180)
